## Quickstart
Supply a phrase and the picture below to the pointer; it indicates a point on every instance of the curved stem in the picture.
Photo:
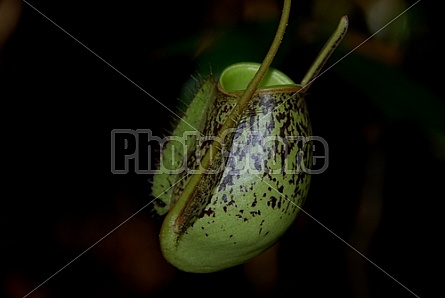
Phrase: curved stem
(259, 75)
(325, 53)
(253, 85)
(231, 121)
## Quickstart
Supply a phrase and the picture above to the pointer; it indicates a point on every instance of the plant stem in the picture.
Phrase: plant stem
(253, 85)
(231, 121)
(325, 53)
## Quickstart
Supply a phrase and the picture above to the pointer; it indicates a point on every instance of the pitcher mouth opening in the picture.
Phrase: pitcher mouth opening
(235, 79)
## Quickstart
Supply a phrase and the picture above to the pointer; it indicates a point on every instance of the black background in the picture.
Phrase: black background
(60, 103)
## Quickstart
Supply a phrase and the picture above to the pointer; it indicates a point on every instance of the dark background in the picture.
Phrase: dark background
(381, 110)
